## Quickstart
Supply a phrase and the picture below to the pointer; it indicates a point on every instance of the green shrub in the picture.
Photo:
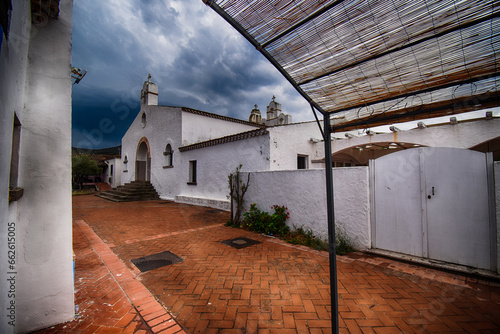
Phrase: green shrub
(263, 222)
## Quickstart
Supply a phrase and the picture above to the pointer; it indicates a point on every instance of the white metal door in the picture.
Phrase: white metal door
(456, 190)
(397, 203)
(433, 202)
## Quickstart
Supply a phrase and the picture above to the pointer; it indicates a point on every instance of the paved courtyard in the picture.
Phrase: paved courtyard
(274, 287)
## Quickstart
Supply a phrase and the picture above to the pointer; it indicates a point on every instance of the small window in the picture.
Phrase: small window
(192, 172)
(143, 120)
(111, 170)
(302, 161)
(169, 156)
(14, 160)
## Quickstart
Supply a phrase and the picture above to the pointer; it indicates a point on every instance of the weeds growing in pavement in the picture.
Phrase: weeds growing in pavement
(343, 242)
(301, 236)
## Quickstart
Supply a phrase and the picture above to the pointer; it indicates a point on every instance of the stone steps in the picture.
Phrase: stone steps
(133, 191)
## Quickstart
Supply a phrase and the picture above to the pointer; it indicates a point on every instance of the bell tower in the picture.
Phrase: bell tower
(273, 109)
(149, 93)
(255, 116)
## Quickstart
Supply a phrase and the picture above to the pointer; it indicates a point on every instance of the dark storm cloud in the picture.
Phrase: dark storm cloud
(222, 77)
(101, 120)
(196, 59)
(158, 15)
(218, 70)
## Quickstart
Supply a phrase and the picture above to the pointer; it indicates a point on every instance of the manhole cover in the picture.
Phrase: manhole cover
(240, 242)
(154, 261)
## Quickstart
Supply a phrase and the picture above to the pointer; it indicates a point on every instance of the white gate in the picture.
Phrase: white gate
(435, 203)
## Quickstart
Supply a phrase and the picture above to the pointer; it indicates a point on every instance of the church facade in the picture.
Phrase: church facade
(188, 154)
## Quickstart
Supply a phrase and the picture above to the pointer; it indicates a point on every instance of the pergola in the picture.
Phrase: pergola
(363, 63)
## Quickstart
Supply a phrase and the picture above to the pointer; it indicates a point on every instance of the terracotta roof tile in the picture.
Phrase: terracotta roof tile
(225, 118)
(226, 139)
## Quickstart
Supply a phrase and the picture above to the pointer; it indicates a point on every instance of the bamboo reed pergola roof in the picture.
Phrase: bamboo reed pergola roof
(365, 63)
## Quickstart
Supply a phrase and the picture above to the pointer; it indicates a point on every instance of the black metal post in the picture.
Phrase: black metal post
(331, 223)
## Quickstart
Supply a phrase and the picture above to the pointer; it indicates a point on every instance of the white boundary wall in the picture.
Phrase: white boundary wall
(304, 193)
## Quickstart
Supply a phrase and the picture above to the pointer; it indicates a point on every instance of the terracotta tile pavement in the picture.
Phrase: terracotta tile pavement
(108, 299)
(274, 287)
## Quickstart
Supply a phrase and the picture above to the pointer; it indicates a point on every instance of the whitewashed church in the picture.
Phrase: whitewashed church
(188, 154)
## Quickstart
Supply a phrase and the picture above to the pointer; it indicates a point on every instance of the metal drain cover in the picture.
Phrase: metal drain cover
(154, 261)
(240, 242)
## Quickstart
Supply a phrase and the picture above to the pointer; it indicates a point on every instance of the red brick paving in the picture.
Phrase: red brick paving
(101, 306)
(108, 298)
(273, 287)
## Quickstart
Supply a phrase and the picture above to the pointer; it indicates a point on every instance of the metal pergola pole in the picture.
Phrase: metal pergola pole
(331, 224)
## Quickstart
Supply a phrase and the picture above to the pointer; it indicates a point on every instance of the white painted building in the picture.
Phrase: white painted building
(188, 154)
(478, 130)
(112, 174)
(36, 265)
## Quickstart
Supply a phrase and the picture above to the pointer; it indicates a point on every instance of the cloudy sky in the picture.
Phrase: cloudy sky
(195, 57)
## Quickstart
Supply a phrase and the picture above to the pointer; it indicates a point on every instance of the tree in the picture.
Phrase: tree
(83, 166)
(237, 190)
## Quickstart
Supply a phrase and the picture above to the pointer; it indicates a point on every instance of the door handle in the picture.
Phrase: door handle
(429, 196)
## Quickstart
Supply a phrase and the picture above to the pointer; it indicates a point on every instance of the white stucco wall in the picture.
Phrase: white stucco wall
(215, 163)
(36, 84)
(13, 57)
(170, 125)
(114, 180)
(288, 141)
(163, 126)
(304, 193)
(197, 128)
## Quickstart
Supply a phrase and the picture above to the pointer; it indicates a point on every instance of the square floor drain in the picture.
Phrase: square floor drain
(240, 242)
(154, 261)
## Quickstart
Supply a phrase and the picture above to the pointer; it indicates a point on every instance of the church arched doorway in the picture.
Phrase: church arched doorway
(143, 161)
